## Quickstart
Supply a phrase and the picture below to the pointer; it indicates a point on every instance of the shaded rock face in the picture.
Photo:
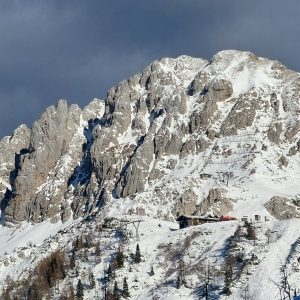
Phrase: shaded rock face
(215, 203)
(50, 140)
(219, 90)
(169, 122)
(54, 149)
(283, 208)
(242, 115)
(11, 149)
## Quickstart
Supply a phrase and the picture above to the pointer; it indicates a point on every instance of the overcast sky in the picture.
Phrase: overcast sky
(78, 49)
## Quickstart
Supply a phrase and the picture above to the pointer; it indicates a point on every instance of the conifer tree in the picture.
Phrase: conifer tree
(71, 294)
(78, 243)
(152, 271)
(178, 282)
(92, 280)
(120, 258)
(229, 263)
(79, 290)
(97, 250)
(180, 274)
(33, 293)
(137, 256)
(109, 272)
(251, 234)
(73, 259)
(238, 233)
(116, 295)
(6, 295)
(125, 290)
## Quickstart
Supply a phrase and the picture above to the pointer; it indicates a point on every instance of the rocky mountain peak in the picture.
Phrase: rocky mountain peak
(147, 147)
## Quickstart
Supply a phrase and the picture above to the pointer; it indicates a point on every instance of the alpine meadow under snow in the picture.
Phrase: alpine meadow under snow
(90, 197)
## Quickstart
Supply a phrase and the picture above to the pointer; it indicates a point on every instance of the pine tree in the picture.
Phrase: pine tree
(229, 263)
(79, 290)
(178, 282)
(33, 293)
(78, 243)
(109, 273)
(92, 280)
(238, 233)
(71, 295)
(125, 290)
(180, 274)
(227, 282)
(97, 250)
(6, 295)
(120, 258)
(152, 271)
(116, 295)
(251, 234)
(73, 259)
(137, 256)
(87, 242)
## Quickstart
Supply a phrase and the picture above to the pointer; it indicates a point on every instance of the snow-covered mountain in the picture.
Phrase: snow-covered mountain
(186, 136)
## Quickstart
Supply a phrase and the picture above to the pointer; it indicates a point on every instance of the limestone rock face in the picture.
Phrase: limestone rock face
(54, 149)
(215, 204)
(242, 115)
(11, 149)
(219, 89)
(143, 149)
(283, 208)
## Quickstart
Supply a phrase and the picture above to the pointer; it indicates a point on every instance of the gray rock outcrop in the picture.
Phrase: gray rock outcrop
(283, 208)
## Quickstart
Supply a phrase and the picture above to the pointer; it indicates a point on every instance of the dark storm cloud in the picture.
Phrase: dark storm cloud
(78, 49)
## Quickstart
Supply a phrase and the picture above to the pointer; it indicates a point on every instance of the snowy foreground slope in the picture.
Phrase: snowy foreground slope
(186, 136)
(162, 246)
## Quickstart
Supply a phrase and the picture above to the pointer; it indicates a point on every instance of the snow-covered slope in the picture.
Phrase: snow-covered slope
(186, 136)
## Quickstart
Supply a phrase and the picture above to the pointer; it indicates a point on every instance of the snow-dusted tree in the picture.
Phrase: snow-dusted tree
(6, 295)
(283, 285)
(228, 274)
(207, 279)
(225, 177)
(178, 282)
(109, 272)
(78, 244)
(268, 234)
(120, 257)
(180, 274)
(116, 294)
(251, 233)
(71, 294)
(79, 290)
(151, 271)
(207, 274)
(137, 256)
(97, 251)
(238, 233)
(87, 242)
(245, 293)
(92, 280)
(125, 290)
(33, 293)
(73, 259)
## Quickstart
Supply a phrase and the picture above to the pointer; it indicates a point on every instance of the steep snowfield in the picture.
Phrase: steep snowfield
(162, 244)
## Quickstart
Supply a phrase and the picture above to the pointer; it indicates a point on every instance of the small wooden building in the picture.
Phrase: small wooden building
(257, 218)
(188, 220)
